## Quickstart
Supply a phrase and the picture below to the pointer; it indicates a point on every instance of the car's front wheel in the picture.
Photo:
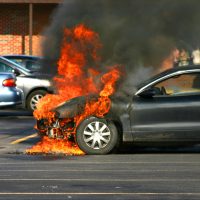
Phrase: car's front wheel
(34, 98)
(97, 136)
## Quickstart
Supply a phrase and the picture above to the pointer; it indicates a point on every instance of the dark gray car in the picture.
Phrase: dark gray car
(164, 110)
(9, 94)
(33, 85)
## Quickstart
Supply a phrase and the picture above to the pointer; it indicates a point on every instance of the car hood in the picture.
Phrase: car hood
(76, 106)
(73, 107)
(70, 108)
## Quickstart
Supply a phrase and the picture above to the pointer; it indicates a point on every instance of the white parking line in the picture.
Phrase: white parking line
(97, 193)
(101, 180)
(103, 162)
(96, 170)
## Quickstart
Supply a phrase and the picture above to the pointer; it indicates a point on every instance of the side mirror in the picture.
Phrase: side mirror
(150, 92)
(16, 72)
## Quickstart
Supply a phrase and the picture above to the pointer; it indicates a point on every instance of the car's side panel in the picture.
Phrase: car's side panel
(9, 95)
(119, 113)
(166, 118)
(124, 121)
(27, 83)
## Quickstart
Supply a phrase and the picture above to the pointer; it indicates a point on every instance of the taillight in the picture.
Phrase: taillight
(9, 82)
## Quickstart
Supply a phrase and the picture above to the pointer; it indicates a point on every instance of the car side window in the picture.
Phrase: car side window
(18, 61)
(32, 65)
(181, 84)
(5, 68)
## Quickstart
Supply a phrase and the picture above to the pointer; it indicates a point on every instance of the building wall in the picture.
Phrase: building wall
(14, 27)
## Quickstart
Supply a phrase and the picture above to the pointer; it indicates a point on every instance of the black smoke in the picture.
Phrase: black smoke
(134, 33)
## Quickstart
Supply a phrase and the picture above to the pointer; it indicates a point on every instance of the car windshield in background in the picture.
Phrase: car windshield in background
(7, 65)
(31, 63)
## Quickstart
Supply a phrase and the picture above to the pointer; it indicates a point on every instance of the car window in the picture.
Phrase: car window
(32, 65)
(29, 64)
(178, 85)
(5, 68)
(18, 61)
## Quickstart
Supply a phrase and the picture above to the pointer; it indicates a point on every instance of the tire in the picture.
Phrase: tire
(33, 99)
(107, 138)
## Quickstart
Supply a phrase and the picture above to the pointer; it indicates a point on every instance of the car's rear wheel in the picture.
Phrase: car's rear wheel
(34, 98)
(97, 136)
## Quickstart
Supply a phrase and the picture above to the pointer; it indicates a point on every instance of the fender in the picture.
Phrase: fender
(119, 113)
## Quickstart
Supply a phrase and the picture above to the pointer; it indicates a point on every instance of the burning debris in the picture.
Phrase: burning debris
(48, 145)
(74, 82)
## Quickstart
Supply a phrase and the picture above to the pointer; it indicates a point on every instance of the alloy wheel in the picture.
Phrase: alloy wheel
(34, 101)
(96, 135)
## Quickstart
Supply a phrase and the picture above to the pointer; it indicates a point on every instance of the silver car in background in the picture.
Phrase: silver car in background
(33, 84)
(9, 94)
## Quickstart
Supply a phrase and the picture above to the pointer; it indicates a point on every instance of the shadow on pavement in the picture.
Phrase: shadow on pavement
(130, 149)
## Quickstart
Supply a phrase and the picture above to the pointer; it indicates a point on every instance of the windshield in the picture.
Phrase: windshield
(13, 64)
(31, 65)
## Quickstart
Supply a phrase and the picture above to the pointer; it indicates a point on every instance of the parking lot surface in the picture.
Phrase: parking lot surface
(133, 173)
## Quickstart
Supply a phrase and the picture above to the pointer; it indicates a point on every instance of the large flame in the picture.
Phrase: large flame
(76, 77)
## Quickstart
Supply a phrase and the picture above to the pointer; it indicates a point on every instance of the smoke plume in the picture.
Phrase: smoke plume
(134, 33)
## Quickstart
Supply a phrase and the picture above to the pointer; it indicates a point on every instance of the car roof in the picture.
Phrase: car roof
(22, 56)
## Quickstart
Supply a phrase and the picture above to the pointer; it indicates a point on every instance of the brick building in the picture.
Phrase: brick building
(21, 25)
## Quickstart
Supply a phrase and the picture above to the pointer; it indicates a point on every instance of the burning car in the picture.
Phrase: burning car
(165, 109)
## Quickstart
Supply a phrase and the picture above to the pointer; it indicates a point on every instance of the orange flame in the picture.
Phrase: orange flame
(47, 145)
(79, 44)
(80, 49)
(102, 106)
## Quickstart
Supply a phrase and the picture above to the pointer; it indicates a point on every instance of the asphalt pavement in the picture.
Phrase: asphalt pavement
(134, 173)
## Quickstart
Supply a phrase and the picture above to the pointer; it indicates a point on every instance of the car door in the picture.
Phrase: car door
(172, 115)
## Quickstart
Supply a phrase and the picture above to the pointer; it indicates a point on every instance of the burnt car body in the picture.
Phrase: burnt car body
(164, 110)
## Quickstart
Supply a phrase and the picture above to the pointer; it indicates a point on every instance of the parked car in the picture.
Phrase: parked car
(32, 63)
(9, 94)
(164, 110)
(33, 85)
